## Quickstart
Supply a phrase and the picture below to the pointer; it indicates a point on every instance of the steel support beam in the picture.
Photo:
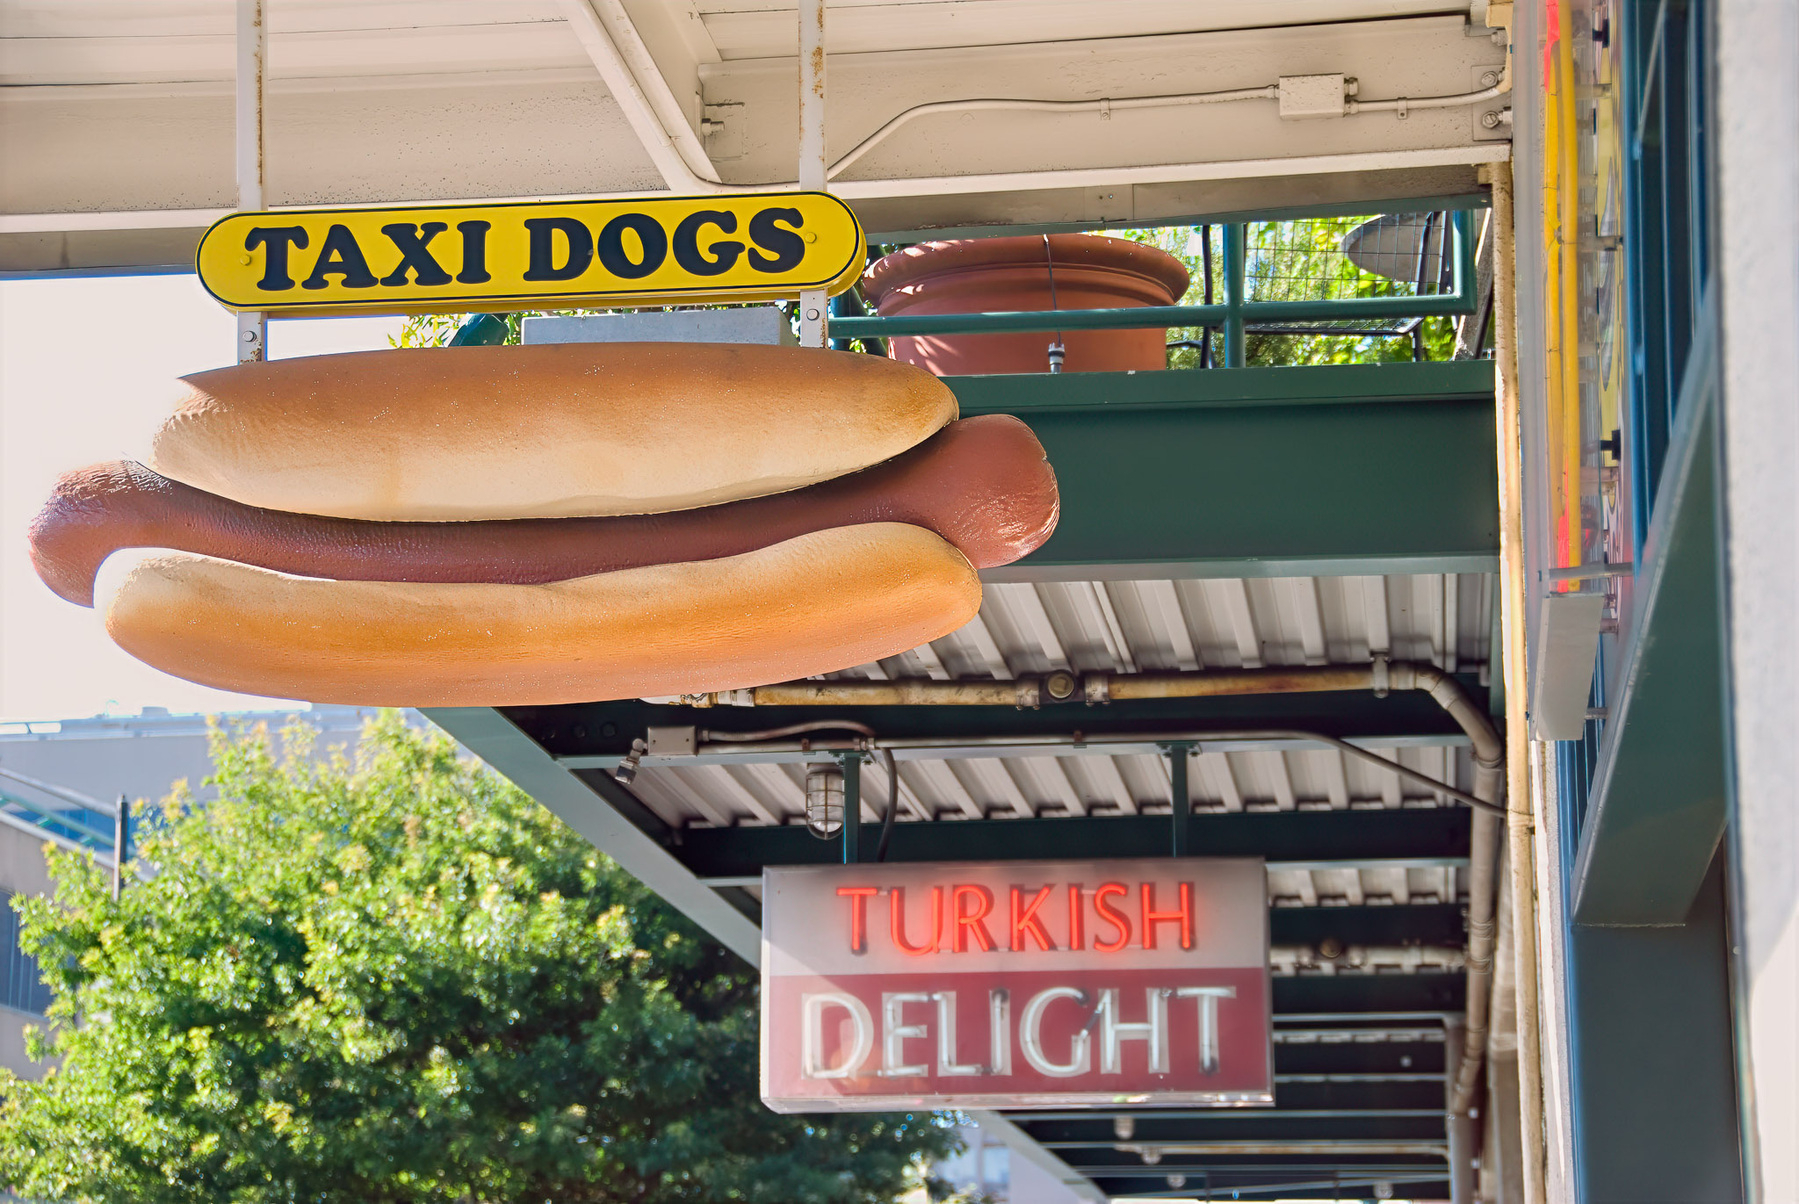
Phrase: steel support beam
(1359, 469)
(1656, 809)
(593, 735)
(1654, 1088)
(1320, 838)
(489, 735)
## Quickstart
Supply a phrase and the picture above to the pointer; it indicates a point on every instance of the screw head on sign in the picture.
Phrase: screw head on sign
(812, 315)
(249, 336)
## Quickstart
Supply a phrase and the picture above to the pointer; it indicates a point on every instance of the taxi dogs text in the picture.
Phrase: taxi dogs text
(453, 258)
(1013, 985)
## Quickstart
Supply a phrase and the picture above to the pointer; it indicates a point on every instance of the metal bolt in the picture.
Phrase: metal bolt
(812, 315)
(1489, 78)
(249, 336)
(1490, 119)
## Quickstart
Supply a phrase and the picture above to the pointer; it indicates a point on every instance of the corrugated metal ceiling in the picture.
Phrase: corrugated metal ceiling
(1132, 626)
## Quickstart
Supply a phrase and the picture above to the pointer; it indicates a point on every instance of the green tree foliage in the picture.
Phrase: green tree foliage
(400, 980)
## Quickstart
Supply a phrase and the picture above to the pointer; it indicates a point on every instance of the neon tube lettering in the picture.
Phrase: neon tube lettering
(1183, 915)
(858, 897)
(1111, 915)
(895, 1033)
(999, 1033)
(812, 1035)
(1207, 1001)
(947, 1065)
(965, 921)
(1025, 921)
(897, 907)
(1114, 1032)
(1030, 1036)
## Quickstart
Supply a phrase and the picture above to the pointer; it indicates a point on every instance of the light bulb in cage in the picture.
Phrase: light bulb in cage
(824, 800)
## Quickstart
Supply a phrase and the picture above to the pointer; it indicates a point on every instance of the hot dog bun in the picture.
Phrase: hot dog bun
(541, 432)
(812, 604)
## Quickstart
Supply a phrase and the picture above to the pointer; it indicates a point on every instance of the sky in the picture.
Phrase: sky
(86, 372)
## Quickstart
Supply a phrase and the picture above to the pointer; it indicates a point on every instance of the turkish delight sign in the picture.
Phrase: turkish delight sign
(1020, 984)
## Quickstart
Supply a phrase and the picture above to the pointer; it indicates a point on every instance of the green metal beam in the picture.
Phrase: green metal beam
(1653, 1064)
(598, 733)
(1437, 836)
(1656, 809)
(1355, 469)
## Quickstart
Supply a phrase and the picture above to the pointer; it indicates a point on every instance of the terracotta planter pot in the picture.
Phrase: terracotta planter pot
(991, 275)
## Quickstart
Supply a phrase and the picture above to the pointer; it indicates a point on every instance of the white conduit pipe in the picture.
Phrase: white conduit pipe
(1048, 106)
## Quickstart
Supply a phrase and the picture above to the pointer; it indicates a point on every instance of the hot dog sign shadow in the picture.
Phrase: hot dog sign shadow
(531, 525)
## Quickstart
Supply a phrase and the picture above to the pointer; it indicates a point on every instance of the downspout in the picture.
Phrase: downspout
(1380, 677)
(1521, 820)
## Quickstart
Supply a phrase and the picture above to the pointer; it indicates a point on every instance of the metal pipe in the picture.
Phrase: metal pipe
(252, 65)
(1522, 821)
(1297, 1149)
(1459, 1127)
(1253, 313)
(903, 692)
(1103, 105)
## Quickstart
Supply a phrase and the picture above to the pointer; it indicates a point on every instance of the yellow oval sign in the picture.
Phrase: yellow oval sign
(531, 255)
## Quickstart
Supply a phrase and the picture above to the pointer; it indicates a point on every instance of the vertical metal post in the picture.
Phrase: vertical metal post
(852, 807)
(1205, 332)
(121, 845)
(1235, 256)
(252, 61)
(1460, 1125)
(1466, 270)
(1180, 799)
(814, 315)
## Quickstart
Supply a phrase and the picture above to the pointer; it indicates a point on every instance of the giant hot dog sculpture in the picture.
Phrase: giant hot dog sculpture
(529, 525)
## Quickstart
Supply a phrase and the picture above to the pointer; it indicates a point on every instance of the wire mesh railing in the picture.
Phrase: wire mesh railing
(1312, 290)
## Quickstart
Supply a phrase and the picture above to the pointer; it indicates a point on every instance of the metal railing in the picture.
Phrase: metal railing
(1234, 317)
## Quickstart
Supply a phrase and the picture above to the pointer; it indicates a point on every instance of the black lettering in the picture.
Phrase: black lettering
(543, 248)
(785, 248)
(612, 246)
(687, 243)
(275, 241)
(474, 252)
(413, 241)
(340, 256)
